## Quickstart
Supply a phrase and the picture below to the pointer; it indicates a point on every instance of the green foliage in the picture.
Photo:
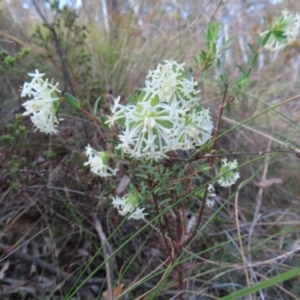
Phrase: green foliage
(6, 139)
(71, 38)
(7, 61)
(74, 158)
(213, 50)
(14, 133)
(15, 163)
(50, 154)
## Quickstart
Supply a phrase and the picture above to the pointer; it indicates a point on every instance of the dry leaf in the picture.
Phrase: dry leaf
(117, 292)
(268, 182)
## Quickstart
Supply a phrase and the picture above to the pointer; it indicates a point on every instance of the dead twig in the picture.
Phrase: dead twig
(107, 251)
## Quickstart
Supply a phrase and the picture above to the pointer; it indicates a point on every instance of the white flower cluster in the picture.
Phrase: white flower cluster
(283, 32)
(44, 104)
(129, 205)
(165, 117)
(98, 162)
(228, 176)
(168, 82)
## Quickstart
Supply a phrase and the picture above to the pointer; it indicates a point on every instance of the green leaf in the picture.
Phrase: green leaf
(140, 98)
(56, 105)
(266, 38)
(279, 33)
(251, 48)
(207, 66)
(103, 120)
(248, 72)
(133, 98)
(222, 78)
(197, 59)
(259, 40)
(262, 285)
(254, 59)
(95, 106)
(72, 100)
(241, 69)
(111, 142)
(121, 121)
(267, 24)
(132, 188)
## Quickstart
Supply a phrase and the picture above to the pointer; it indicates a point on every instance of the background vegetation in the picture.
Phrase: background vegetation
(60, 237)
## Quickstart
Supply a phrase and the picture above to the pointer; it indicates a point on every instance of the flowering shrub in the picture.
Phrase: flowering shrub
(167, 116)
(166, 135)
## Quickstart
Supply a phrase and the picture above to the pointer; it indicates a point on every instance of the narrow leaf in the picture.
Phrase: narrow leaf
(265, 39)
(72, 100)
(251, 48)
(254, 59)
(241, 69)
(248, 72)
(103, 120)
(96, 106)
(218, 63)
(262, 285)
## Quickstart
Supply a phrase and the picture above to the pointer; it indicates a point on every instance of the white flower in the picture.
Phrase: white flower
(44, 104)
(164, 117)
(98, 162)
(195, 129)
(118, 112)
(283, 32)
(210, 201)
(168, 82)
(129, 205)
(148, 129)
(228, 176)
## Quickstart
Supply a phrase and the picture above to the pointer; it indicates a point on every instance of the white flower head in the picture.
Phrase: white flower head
(283, 32)
(228, 175)
(98, 162)
(164, 117)
(169, 83)
(148, 128)
(195, 129)
(129, 205)
(44, 104)
(210, 199)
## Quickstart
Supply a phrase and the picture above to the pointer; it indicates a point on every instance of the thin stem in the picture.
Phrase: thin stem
(161, 227)
(203, 204)
(59, 50)
(180, 281)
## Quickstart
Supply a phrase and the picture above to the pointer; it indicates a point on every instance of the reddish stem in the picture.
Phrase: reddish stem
(199, 219)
